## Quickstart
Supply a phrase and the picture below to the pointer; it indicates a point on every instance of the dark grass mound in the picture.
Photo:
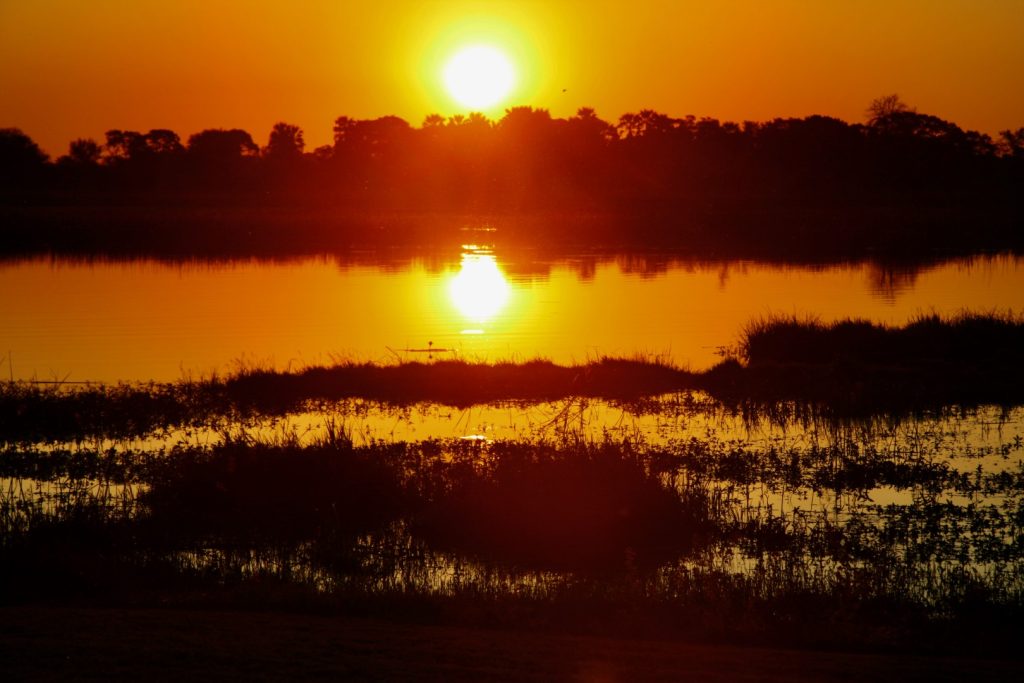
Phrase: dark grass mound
(857, 367)
(33, 413)
(971, 339)
(591, 509)
(457, 383)
(580, 508)
(255, 495)
(83, 551)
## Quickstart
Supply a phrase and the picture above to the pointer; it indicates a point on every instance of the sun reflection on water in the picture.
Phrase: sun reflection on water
(479, 291)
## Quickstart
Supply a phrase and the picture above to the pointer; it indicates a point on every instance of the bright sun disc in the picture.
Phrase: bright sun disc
(479, 77)
(479, 290)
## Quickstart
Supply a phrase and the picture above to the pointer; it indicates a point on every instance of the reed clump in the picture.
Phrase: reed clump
(268, 494)
(856, 367)
(746, 542)
(594, 508)
(971, 339)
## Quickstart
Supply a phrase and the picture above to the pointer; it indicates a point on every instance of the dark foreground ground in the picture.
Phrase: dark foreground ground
(62, 643)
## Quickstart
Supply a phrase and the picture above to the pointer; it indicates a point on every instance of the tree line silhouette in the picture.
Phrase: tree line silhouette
(646, 164)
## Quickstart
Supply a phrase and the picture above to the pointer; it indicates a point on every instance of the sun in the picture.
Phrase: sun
(479, 76)
(479, 290)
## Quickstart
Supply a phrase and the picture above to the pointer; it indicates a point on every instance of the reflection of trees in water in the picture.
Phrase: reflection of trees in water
(885, 280)
(888, 282)
(645, 266)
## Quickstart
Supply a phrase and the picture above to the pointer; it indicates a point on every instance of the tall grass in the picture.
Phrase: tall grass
(965, 338)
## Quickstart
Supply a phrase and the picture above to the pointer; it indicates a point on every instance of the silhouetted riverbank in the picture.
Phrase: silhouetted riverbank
(787, 233)
(64, 643)
(904, 183)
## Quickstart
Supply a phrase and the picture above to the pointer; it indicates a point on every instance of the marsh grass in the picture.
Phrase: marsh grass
(847, 368)
(797, 540)
(36, 413)
(455, 520)
(859, 368)
(970, 339)
(457, 382)
(593, 508)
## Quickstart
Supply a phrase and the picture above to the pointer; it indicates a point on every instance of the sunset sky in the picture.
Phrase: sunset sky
(73, 69)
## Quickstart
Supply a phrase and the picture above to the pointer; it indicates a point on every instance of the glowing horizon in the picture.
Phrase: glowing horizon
(72, 70)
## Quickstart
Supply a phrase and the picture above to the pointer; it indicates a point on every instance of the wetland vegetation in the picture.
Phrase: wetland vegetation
(841, 484)
(709, 538)
(846, 368)
(771, 518)
(519, 390)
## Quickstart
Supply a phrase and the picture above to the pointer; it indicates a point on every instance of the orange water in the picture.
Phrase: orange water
(142, 320)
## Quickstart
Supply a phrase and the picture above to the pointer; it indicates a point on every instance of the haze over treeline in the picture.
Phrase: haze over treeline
(646, 163)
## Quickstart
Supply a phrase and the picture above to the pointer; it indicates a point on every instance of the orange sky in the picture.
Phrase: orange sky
(71, 69)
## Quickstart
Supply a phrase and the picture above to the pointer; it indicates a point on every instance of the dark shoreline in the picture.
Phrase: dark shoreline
(795, 233)
(61, 643)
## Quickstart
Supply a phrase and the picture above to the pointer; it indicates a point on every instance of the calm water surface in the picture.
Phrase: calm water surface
(936, 498)
(150, 320)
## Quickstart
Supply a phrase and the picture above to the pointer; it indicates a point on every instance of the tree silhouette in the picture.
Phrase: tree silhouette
(21, 160)
(123, 146)
(222, 146)
(162, 141)
(343, 126)
(285, 143)
(586, 126)
(645, 123)
(885, 106)
(83, 152)
(476, 118)
(433, 121)
(689, 179)
(222, 160)
(377, 136)
(1012, 143)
